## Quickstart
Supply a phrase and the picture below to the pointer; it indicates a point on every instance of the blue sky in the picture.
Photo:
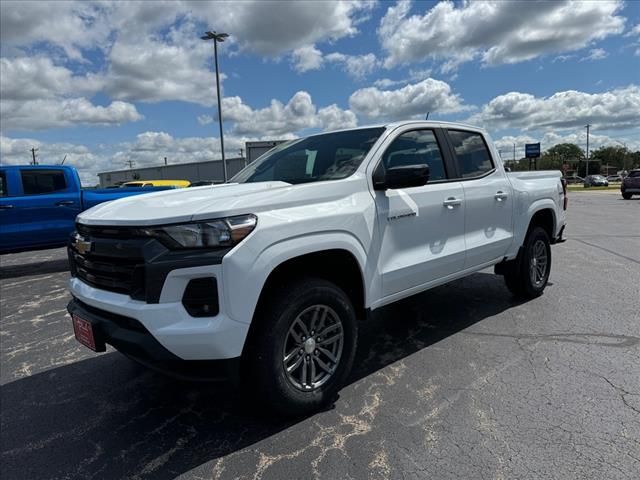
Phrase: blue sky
(107, 82)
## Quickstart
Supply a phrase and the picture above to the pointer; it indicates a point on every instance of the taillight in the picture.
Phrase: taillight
(564, 191)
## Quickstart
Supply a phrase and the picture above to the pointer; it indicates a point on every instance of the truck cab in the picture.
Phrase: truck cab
(38, 205)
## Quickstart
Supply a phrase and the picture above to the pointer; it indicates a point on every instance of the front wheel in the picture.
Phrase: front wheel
(527, 275)
(303, 348)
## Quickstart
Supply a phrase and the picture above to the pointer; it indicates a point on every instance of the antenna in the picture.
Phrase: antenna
(33, 154)
(427, 117)
(65, 157)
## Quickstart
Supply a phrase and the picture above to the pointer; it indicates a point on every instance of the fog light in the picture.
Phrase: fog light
(200, 298)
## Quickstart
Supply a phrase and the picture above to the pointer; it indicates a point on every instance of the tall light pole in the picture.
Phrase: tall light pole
(218, 37)
(587, 126)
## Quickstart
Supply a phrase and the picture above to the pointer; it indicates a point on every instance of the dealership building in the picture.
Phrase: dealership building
(210, 170)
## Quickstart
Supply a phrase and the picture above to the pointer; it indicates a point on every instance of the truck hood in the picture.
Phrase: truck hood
(209, 202)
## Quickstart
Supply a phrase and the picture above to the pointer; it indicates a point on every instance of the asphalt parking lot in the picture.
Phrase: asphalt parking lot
(459, 382)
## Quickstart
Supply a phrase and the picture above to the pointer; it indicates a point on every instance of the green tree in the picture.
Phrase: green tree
(566, 152)
(616, 157)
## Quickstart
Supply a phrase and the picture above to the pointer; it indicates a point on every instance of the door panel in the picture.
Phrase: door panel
(488, 220)
(421, 228)
(422, 238)
(488, 197)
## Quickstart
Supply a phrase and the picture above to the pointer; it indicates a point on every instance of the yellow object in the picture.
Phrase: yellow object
(158, 183)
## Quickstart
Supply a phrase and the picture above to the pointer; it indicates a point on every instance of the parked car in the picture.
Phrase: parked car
(595, 181)
(157, 183)
(630, 184)
(264, 278)
(614, 178)
(574, 180)
(39, 204)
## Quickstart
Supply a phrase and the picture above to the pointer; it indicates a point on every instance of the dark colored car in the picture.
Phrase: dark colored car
(595, 181)
(630, 184)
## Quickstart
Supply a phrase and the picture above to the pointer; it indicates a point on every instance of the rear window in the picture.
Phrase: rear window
(36, 182)
(472, 153)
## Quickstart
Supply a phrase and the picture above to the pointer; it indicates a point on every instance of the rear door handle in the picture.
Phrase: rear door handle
(452, 202)
(65, 203)
(5, 207)
(500, 196)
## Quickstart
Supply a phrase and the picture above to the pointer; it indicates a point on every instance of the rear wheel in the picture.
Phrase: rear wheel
(626, 196)
(527, 275)
(303, 348)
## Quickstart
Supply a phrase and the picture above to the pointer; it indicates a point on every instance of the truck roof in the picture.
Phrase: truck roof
(401, 123)
(57, 167)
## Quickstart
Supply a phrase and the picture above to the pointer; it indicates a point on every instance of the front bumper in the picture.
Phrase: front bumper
(129, 337)
(187, 338)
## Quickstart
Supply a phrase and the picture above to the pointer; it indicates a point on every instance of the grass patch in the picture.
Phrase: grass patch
(581, 188)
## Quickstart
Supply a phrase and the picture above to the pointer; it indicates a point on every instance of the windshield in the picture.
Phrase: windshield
(329, 156)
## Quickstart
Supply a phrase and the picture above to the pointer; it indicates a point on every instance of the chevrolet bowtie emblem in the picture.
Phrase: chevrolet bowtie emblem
(81, 245)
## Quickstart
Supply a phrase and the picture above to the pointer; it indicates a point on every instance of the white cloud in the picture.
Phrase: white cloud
(35, 94)
(616, 109)
(414, 76)
(280, 119)
(496, 31)
(417, 99)
(356, 66)
(274, 28)
(205, 119)
(154, 69)
(56, 113)
(28, 78)
(595, 54)
(307, 58)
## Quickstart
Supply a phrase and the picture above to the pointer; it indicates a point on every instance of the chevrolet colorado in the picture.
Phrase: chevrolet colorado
(267, 275)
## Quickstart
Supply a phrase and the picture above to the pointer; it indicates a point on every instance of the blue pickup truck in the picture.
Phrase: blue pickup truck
(39, 204)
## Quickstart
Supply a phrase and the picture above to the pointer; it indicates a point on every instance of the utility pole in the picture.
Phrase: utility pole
(587, 126)
(218, 37)
(514, 153)
(130, 162)
(165, 161)
(33, 155)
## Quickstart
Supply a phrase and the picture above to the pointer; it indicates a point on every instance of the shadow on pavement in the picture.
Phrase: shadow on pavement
(106, 417)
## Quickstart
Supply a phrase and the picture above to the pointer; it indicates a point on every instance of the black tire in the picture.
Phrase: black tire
(518, 273)
(626, 196)
(265, 377)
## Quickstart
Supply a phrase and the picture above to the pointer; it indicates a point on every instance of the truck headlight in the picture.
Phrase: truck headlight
(222, 232)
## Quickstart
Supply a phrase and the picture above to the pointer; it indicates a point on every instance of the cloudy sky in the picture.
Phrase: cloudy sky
(107, 82)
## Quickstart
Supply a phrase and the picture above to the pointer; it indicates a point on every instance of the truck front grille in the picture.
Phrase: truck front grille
(113, 262)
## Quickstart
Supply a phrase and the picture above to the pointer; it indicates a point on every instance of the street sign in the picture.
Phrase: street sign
(532, 150)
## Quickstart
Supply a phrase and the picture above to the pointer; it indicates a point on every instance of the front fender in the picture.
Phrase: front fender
(245, 274)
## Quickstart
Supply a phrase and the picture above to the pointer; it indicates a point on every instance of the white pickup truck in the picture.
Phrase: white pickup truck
(266, 278)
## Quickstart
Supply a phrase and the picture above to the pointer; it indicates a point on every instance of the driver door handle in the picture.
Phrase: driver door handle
(452, 202)
(5, 207)
(64, 203)
(500, 195)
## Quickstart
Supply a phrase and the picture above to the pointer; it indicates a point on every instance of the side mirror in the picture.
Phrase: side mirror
(403, 176)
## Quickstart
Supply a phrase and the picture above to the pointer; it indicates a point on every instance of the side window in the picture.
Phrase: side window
(36, 182)
(3, 185)
(414, 148)
(473, 155)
